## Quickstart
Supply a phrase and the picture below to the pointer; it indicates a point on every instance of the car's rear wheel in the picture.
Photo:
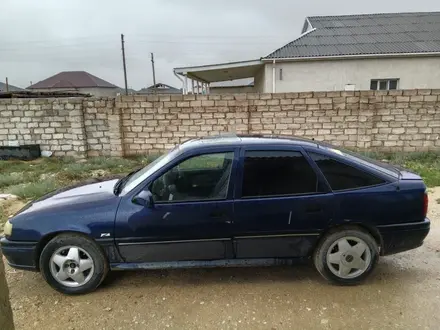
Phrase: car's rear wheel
(346, 256)
(73, 264)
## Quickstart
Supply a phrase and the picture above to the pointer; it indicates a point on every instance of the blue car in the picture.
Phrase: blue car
(225, 201)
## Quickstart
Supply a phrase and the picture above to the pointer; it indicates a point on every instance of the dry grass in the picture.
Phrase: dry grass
(30, 180)
(426, 164)
(8, 208)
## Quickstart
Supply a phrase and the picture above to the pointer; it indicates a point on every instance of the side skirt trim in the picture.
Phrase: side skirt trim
(172, 242)
(123, 242)
(208, 263)
(275, 236)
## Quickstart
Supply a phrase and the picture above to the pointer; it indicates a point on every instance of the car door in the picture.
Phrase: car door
(282, 203)
(191, 214)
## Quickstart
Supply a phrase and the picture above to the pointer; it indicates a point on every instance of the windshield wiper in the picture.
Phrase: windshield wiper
(122, 181)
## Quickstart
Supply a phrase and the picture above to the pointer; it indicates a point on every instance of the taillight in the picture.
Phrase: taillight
(425, 204)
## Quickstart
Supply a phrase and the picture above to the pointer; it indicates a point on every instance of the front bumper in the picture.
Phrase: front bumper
(403, 237)
(20, 255)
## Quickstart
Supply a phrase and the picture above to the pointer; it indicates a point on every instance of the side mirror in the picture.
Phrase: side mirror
(144, 198)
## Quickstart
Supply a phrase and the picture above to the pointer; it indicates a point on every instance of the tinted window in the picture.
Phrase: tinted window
(373, 85)
(274, 173)
(202, 177)
(385, 168)
(341, 176)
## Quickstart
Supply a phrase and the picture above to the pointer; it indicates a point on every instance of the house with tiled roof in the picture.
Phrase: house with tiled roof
(9, 88)
(76, 81)
(159, 88)
(352, 52)
(245, 85)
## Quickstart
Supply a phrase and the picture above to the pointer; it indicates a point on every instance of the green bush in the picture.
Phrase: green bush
(33, 190)
(11, 179)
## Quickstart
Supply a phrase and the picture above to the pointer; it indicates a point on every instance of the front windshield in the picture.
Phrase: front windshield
(144, 173)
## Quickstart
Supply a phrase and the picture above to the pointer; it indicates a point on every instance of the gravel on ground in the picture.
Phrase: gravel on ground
(403, 293)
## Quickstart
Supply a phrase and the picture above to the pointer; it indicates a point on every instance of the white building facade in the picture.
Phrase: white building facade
(354, 52)
(348, 74)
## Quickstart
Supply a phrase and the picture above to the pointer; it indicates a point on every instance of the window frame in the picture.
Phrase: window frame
(238, 192)
(185, 155)
(387, 80)
(368, 170)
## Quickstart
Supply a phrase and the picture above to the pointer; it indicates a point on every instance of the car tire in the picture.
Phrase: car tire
(346, 256)
(73, 264)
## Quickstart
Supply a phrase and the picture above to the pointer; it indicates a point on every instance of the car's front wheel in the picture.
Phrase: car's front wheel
(73, 264)
(346, 256)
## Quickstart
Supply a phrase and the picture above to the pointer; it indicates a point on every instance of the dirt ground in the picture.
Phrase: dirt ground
(403, 293)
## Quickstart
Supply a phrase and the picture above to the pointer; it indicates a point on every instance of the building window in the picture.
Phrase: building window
(383, 84)
(281, 74)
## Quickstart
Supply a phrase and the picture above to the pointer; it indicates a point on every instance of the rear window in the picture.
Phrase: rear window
(341, 176)
(387, 169)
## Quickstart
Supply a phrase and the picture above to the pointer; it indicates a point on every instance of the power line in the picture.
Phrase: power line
(136, 39)
(134, 36)
(143, 42)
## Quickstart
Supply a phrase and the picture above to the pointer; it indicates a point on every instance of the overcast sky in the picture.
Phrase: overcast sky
(39, 38)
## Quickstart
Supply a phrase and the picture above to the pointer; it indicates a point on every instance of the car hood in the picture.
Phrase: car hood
(83, 193)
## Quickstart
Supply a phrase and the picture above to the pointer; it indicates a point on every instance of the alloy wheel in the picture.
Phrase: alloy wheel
(72, 266)
(348, 257)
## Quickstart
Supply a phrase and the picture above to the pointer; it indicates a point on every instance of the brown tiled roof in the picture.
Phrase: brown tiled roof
(72, 79)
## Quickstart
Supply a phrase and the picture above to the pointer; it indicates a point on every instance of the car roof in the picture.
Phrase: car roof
(233, 140)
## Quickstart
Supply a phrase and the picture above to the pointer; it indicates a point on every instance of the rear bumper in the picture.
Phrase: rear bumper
(403, 237)
(20, 255)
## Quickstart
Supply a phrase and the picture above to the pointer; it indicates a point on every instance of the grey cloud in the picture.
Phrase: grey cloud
(41, 38)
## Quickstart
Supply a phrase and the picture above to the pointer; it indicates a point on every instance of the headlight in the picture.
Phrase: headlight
(8, 228)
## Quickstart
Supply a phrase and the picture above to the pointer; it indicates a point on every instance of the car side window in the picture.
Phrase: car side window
(204, 177)
(277, 173)
(341, 176)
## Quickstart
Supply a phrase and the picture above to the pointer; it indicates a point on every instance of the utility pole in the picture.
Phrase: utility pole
(123, 61)
(7, 85)
(154, 72)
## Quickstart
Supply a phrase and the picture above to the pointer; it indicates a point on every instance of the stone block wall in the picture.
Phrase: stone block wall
(405, 120)
(56, 124)
(96, 125)
(157, 123)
